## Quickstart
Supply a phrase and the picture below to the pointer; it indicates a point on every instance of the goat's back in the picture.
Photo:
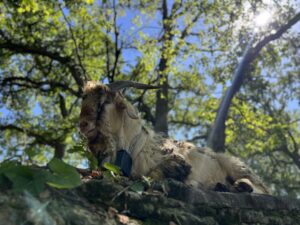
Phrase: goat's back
(205, 170)
(209, 168)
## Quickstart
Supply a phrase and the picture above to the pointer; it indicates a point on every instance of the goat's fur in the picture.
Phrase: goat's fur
(120, 127)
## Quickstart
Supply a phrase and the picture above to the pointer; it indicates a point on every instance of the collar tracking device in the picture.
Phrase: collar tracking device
(124, 161)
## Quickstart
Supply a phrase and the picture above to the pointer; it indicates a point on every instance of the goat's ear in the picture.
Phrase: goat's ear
(119, 100)
(132, 112)
(123, 105)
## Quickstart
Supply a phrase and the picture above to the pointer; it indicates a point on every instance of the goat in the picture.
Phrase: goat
(110, 123)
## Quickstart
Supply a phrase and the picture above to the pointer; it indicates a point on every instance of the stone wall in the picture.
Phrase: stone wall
(168, 202)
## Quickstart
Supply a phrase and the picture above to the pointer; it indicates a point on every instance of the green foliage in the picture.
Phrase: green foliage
(82, 150)
(141, 185)
(34, 179)
(112, 171)
(63, 175)
(23, 177)
(138, 187)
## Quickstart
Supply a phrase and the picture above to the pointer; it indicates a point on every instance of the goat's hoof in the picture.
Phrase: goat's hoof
(243, 185)
(221, 188)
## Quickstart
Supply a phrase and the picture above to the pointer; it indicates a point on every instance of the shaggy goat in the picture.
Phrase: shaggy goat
(110, 124)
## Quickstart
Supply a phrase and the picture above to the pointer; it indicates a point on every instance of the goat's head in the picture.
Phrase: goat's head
(100, 105)
(103, 111)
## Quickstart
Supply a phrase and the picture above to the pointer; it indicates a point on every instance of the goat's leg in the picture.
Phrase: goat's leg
(174, 166)
(241, 177)
(243, 185)
(221, 188)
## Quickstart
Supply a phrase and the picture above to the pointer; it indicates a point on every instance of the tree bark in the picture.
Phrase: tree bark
(59, 150)
(162, 108)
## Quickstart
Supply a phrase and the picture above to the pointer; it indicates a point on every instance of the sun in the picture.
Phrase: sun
(263, 18)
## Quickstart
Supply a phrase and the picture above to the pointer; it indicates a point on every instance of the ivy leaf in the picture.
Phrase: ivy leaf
(113, 168)
(138, 187)
(64, 175)
(7, 165)
(34, 179)
(28, 179)
(24, 177)
(4, 167)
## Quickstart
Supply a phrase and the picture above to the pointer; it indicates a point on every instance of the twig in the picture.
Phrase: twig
(122, 191)
(74, 40)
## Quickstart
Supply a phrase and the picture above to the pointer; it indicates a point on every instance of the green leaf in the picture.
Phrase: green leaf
(113, 168)
(93, 162)
(24, 177)
(7, 165)
(77, 149)
(4, 167)
(138, 187)
(89, 1)
(109, 174)
(34, 179)
(4, 181)
(64, 175)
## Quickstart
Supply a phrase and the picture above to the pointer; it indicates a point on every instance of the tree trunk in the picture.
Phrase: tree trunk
(162, 109)
(217, 136)
(59, 151)
(162, 101)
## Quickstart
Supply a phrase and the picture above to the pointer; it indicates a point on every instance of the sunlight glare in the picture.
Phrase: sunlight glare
(263, 18)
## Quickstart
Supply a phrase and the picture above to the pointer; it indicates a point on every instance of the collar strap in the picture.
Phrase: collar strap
(100, 108)
(124, 161)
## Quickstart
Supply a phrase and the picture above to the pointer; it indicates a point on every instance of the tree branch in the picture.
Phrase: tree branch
(30, 83)
(295, 144)
(40, 138)
(117, 49)
(186, 123)
(274, 36)
(62, 106)
(198, 137)
(75, 42)
(76, 72)
(294, 156)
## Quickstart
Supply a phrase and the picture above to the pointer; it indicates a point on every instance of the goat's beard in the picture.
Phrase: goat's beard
(100, 141)
(91, 135)
(101, 146)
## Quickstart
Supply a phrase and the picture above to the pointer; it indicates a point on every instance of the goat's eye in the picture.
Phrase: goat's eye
(84, 96)
(107, 101)
(101, 92)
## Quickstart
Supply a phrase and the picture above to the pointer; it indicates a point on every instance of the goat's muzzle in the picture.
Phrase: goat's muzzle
(88, 129)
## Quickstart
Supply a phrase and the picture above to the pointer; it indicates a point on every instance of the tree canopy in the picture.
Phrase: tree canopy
(193, 49)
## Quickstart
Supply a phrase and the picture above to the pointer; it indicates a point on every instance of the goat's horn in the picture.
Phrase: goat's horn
(118, 85)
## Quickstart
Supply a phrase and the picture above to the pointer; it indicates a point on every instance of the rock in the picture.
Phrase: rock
(106, 202)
